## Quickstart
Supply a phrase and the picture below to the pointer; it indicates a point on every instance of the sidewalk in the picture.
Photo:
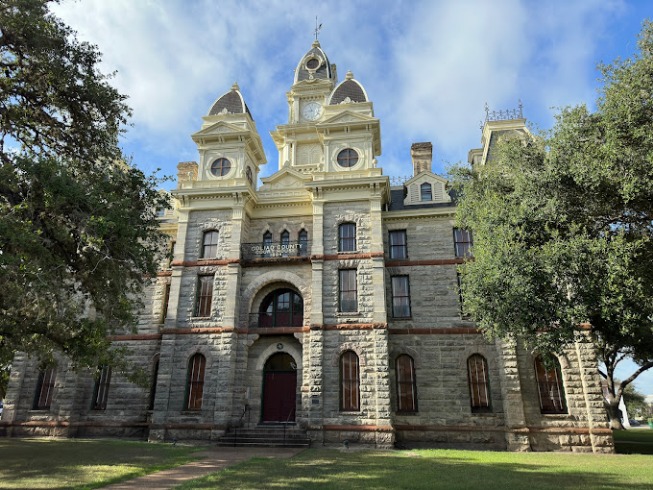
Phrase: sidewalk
(215, 459)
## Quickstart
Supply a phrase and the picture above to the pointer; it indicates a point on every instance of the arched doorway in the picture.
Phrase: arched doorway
(279, 389)
(282, 308)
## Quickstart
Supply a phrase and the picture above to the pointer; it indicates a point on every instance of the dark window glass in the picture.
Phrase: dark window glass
(220, 167)
(155, 375)
(166, 300)
(204, 296)
(398, 245)
(348, 301)
(406, 385)
(462, 240)
(426, 192)
(302, 240)
(285, 243)
(101, 389)
(479, 386)
(400, 297)
(347, 237)
(195, 382)
(347, 158)
(282, 308)
(312, 64)
(45, 389)
(349, 382)
(267, 243)
(210, 244)
(549, 382)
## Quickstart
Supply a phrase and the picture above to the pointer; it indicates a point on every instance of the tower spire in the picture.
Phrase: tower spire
(317, 28)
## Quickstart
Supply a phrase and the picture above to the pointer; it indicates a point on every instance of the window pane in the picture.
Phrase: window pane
(195, 382)
(398, 249)
(406, 386)
(302, 238)
(210, 245)
(347, 237)
(45, 389)
(348, 294)
(400, 297)
(550, 387)
(101, 391)
(478, 383)
(462, 242)
(426, 192)
(204, 296)
(349, 382)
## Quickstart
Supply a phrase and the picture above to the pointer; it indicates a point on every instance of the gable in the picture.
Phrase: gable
(414, 189)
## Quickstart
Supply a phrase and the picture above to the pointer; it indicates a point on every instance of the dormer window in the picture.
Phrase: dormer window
(220, 167)
(426, 192)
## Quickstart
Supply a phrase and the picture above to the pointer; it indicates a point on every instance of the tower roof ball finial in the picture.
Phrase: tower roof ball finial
(235, 86)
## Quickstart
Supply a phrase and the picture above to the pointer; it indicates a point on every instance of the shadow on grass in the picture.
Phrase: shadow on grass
(330, 469)
(65, 463)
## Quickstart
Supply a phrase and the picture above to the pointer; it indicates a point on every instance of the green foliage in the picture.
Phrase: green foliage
(635, 402)
(78, 232)
(563, 225)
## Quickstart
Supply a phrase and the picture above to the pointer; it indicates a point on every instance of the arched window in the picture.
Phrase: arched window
(479, 386)
(210, 244)
(347, 237)
(302, 241)
(195, 382)
(282, 308)
(267, 244)
(101, 388)
(426, 192)
(406, 385)
(285, 243)
(45, 389)
(349, 382)
(550, 388)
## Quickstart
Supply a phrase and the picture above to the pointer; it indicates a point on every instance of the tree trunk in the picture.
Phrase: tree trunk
(612, 406)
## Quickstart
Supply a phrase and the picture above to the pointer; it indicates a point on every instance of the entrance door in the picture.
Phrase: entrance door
(279, 389)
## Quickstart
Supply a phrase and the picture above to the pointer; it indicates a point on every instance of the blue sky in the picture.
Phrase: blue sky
(429, 66)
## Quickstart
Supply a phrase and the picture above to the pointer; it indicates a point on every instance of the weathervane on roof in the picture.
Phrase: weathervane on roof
(317, 28)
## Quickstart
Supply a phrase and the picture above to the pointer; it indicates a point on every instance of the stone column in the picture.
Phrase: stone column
(177, 270)
(317, 251)
(379, 314)
(517, 437)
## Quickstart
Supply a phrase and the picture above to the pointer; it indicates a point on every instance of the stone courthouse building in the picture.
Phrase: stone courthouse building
(324, 299)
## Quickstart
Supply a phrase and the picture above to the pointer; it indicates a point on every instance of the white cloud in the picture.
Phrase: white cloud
(429, 67)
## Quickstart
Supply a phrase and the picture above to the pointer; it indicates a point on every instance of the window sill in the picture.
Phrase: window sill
(341, 314)
(402, 318)
(407, 413)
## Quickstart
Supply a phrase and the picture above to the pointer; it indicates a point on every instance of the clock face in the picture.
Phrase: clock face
(311, 111)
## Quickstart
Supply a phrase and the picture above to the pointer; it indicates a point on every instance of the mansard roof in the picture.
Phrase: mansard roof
(349, 90)
(314, 65)
(230, 103)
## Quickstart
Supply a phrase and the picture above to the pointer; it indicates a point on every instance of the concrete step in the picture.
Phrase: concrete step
(265, 436)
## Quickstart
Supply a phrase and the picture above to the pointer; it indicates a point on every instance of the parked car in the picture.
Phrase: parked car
(634, 423)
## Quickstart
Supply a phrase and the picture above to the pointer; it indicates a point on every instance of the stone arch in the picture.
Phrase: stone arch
(356, 349)
(396, 352)
(257, 290)
(288, 348)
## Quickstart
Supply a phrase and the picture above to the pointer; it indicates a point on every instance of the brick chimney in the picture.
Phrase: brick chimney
(422, 155)
(186, 171)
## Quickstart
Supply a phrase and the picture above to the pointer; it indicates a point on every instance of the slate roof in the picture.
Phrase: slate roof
(233, 102)
(348, 88)
(324, 71)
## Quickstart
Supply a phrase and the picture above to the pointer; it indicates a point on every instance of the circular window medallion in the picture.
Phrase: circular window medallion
(347, 158)
(220, 167)
(313, 64)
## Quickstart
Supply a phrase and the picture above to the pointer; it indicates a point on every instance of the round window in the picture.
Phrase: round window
(220, 167)
(313, 64)
(347, 158)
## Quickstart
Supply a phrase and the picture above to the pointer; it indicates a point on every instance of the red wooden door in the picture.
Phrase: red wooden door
(279, 394)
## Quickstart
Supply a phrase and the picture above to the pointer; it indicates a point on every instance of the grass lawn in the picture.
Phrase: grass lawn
(77, 464)
(326, 469)
(633, 441)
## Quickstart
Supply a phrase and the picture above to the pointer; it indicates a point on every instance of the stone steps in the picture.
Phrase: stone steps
(265, 436)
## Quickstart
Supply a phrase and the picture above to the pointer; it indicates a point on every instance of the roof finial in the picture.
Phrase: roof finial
(317, 29)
